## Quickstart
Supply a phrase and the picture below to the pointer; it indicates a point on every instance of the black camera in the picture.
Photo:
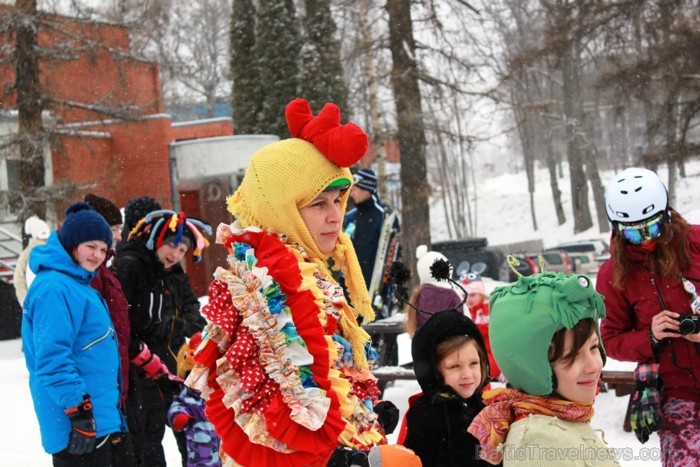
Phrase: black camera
(688, 323)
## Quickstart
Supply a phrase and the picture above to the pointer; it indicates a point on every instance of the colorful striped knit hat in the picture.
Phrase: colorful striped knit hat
(164, 224)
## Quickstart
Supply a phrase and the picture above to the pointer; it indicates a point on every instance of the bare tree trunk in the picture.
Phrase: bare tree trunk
(553, 183)
(573, 113)
(592, 171)
(451, 205)
(378, 131)
(552, 160)
(523, 122)
(670, 127)
(453, 172)
(31, 134)
(415, 190)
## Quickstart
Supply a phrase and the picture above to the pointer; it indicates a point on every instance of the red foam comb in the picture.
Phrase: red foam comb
(195, 340)
(342, 144)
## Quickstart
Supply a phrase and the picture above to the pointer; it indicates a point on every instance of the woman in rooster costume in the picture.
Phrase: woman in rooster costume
(284, 365)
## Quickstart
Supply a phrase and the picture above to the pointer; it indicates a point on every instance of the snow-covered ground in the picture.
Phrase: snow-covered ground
(503, 217)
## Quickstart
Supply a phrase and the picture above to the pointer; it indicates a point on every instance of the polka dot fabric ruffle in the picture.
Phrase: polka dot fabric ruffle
(281, 397)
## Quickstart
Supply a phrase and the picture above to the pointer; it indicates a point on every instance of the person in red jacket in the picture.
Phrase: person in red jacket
(648, 283)
(108, 286)
(478, 304)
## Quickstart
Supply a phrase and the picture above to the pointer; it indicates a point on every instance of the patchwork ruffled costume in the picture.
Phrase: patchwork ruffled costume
(284, 365)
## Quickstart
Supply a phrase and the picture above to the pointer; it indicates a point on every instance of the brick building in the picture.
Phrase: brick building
(95, 146)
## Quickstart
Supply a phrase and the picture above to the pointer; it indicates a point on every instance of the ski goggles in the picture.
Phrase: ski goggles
(647, 230)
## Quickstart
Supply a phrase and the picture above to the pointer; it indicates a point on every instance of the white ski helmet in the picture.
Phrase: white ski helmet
(635, 195)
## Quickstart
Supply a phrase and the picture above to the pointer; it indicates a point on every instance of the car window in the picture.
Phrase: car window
(553, 258)
(581, 248)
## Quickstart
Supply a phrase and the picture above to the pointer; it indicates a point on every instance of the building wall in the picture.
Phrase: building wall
(99, 76)
(112, 154)
(198, 129)
(130, 161)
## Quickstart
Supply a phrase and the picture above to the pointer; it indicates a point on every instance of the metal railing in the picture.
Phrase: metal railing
(10, 249)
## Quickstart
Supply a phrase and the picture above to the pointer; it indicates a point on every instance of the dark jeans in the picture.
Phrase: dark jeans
(101, 456)
(122, 450)
(181, 439)
(110, 451)
(146, 416)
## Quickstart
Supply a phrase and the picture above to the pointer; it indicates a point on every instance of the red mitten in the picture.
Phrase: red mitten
(180, 421)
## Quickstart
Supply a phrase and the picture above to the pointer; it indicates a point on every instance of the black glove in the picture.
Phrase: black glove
(179, 326)
(185, 327)
(170, 386)
(646, 401)
(348, 457)
(83, 432)
(388, 415)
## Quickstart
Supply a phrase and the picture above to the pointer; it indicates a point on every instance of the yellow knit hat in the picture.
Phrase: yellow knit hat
(280, 179)
(287, 175)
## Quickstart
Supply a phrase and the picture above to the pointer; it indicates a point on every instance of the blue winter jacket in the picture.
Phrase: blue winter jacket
(70, 347)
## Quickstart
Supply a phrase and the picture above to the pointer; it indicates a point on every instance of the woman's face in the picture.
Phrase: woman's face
(323, 219)
(461, 370)
(579, 381)
(90, 255)
(170, 255)
(116, 234)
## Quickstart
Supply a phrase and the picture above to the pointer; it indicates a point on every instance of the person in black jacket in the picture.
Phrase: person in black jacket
(451, 366)
(163, 312)
(364, 223)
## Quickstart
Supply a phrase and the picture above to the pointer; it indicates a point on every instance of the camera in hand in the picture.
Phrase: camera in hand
(688, 323)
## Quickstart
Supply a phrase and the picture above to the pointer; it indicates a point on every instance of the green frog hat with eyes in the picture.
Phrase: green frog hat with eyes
(525, 316)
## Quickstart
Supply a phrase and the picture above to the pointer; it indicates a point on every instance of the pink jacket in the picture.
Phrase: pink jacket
(626, 328)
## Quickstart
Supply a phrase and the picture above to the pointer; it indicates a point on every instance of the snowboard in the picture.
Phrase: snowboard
(387, 253)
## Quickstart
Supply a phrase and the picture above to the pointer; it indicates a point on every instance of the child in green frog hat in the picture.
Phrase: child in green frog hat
(545, 338)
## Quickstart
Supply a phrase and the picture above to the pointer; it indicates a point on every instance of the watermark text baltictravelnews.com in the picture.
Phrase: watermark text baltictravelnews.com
(586, 453)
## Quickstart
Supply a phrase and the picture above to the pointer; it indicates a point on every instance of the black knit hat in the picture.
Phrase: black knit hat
(137, 208)
(105, 208)
(83, 224)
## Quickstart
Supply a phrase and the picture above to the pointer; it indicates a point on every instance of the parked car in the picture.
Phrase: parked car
(584, 263)
(554, 261)
(472, 251)
(599, 248)
(526, 266)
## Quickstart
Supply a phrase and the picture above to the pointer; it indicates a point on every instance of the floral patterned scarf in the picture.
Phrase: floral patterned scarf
(505, 406)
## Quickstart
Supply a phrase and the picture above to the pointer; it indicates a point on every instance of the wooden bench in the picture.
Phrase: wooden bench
(392, 373)
(623, 383)
(383, 333)
(388, 374)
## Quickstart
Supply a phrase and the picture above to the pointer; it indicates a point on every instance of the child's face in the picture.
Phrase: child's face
(474, 299)
(579, 382)
(170, 254)
(461, 370)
